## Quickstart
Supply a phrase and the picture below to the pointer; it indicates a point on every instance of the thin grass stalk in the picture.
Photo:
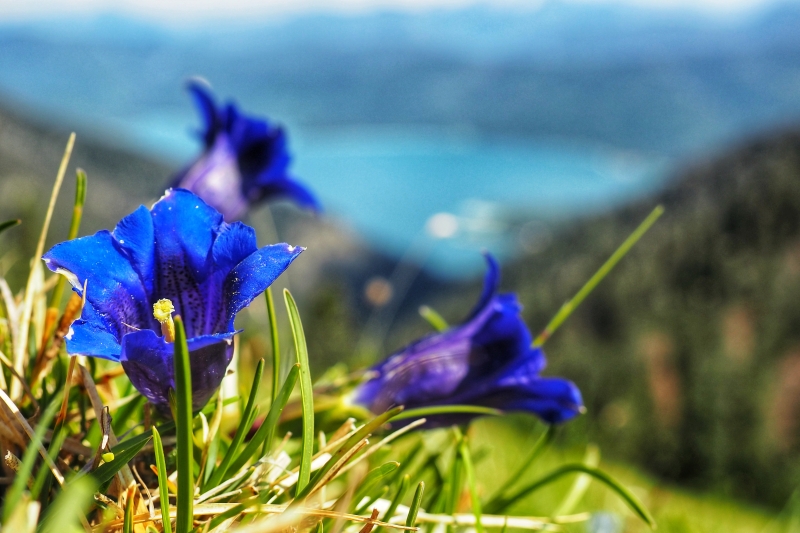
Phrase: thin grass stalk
(598, 276)
(275, 342)
(163, 489)
(74, 228)
(21, 344)
(433, 318)
(469, 470)
(23, 475)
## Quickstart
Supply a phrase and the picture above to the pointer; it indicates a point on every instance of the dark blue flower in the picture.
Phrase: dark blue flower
(487, 361)
(180, 251)
(244, 160)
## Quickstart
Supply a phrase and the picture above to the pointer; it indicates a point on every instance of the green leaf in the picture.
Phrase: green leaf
(415, 503)
(266, 432)
(163, 490)
(626, 495)
(434, 319)
(68, 509)
(123, 453)
(306, 392)
(422, 412)
(241, 431)
(183, 424)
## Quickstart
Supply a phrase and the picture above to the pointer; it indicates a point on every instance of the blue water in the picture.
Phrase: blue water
(388, 181)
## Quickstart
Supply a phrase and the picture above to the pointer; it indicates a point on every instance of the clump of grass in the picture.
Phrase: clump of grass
(83, 452)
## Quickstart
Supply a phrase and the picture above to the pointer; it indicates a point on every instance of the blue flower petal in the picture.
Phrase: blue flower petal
(254, 274)
(185, 228)
(554, 400)
(114, 289)
(292, 190)
(134, 234)
(148, 362)
(208, 110)
(491, 282)
(92, 338)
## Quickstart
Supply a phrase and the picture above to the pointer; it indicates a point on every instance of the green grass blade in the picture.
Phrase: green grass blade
(241, 431)
(598, 276)
(626, 495)
(398, 498)
(9, 224)
(422, 412)
(306, 392)
(433, 318)
(74, 228)
(541, 443)
(354, 439)
(469, 470)
(373, 479)
(276, 349)
(415, 503)
(163, 490)
(22, 475)
(264, 435)
(127, 524)
(183, 425)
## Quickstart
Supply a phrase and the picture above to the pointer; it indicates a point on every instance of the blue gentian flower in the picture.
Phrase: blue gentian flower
(244, 160)
(178, 255)
(487, 361)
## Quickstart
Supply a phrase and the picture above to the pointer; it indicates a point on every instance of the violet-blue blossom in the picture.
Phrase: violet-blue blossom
(244, 160)
(180, 253)
(488, 360)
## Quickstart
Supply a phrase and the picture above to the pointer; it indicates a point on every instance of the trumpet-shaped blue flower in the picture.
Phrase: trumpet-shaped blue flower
(487, 361)
(244, 160)
(180, 254)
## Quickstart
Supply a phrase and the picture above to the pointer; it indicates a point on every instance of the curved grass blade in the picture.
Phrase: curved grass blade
(354, 439)
(541, 443)
(598, 276)
(626, 495)
(9, 224)
(433, 318)
(163, 491)
(306, 392)
(266, 432)
(273, 337)
(241, 431)
(422, 412)
(74, 227)
(183, 424)
(67, 511)
(415, 503)
(373, 479)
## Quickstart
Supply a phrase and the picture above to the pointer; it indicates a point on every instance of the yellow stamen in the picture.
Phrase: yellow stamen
(162, 311)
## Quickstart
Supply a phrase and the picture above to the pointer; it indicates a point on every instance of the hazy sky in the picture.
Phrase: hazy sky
(165, 10)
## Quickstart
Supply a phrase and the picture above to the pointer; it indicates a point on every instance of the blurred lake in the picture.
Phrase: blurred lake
(511, 121)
